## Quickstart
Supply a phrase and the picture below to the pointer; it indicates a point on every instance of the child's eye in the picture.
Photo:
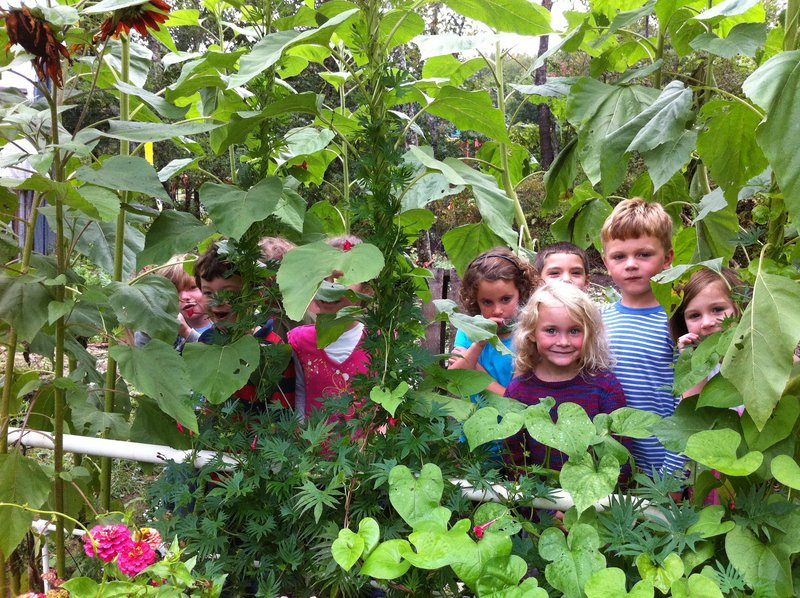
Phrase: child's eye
(550, 330)
(507, 299)
(577, 273)
(575, 331)
(691, 316)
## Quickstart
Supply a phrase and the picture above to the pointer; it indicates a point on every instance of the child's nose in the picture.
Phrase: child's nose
(565, 277)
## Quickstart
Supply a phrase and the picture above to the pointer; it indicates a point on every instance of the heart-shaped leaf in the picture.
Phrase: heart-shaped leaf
(347, 548)
(571, 434)
(234, 210)
(572, 559)
(486, 425)
(587, 482)
(217, 371)
(710, 523)
(786, 471)
(717, 449)
(386, 561)
(417, 499)
(389, 399)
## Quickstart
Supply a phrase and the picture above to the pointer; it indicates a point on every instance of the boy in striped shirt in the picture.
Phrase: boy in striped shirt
(637, 245)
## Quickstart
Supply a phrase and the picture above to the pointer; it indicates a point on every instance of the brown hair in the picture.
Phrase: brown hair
(697, 282)
(210, 265)
(499, 263)
(634, 218)
(560, 247)
(595, 355)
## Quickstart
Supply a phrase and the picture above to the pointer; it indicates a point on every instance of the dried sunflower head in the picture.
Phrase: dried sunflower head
(37, 37)
(140, 17)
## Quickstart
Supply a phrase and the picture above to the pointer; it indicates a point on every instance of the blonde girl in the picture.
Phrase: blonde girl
(562, 352)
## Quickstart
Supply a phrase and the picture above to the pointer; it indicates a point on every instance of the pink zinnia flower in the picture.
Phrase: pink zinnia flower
(109, 540)
(135, 558)
(150, 536)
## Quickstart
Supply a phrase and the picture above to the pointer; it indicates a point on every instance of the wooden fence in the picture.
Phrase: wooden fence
(445, 284)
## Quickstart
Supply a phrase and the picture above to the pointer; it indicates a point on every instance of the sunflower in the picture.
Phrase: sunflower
(36, 36)
(141, 17)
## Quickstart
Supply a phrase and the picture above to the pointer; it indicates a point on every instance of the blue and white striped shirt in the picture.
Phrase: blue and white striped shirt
(644, 353)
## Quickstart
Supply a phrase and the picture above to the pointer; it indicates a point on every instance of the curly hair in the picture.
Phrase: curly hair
(728, 280)
(498, 263)
(596, 354)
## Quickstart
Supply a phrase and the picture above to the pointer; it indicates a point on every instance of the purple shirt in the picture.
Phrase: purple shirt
(596, 393)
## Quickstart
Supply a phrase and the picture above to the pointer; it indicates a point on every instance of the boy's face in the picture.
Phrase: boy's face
(215, 292)
(566, 267)
(632, 263)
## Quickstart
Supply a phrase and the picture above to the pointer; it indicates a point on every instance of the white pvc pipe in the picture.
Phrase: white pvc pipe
(116, 449)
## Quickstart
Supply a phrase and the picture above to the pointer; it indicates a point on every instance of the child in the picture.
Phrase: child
(563, 261)
(562, 352)
(220, 282)
(328, 372)
(495, 284)
(707, 300)
(637, 245)
(272, 251)
(192, 317)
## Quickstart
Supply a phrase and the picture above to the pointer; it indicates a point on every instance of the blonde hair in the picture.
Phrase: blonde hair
(274, 248)
(595, 355)
(634, 218)
(175, 271)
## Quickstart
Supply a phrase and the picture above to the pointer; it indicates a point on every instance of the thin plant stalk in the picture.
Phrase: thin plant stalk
(119, 244)
(508, 186)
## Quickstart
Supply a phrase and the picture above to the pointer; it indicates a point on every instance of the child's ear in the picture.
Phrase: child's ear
(668, 257)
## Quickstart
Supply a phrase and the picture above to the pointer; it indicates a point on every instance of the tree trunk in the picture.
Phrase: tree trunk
(546, 128)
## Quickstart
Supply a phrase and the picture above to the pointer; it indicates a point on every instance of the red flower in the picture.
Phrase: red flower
(347, 245)
(141, 17)
(36, 36)
(479, 529)
(136, 557)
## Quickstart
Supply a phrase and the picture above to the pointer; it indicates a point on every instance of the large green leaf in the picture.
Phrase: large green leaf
(582, 222)
(483, 426)
(172, 232)
(347, 548)
(598, 109)
(162, 106)
(662, 121)
(267, 51)
(144, 132)
(674, 431)
(727, 8)
(97, 241)
(761, 564)
(669, 158)
(511, 16)
(697, 586)
(662, 575)
(217, 371)
(151, 427)
(727, 143)
(22, 482)
(586, 481)
(782, 123)
(778, 427)
(744, 39)
(572, 559)
(96, 202)
(446, 44)
(416, 499)
(634, 423)
(470, 111)
(386, 561)
(150, 305)
(610, 583)
(233, 210)
(716, 449)
(304, 268)
(158, 371)
(435, 546)
(125, 173)
(23, 304)
(561, 175)
(464, 243)
(759, 361)
(572, 432)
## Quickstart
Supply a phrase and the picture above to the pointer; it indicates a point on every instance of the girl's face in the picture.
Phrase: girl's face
(707, 309)
(192, 305)
(559, 342)
(498, 299)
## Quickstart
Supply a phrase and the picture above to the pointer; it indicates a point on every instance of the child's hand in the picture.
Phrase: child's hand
(687, 340)
(183, 328)
(457, 355)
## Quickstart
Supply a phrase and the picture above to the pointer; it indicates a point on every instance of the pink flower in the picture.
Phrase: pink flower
(150, 536)
(479, 529)
(109, 540)
(136, 557)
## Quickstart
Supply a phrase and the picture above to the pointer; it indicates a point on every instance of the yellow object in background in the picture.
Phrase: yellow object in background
(148, 152)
